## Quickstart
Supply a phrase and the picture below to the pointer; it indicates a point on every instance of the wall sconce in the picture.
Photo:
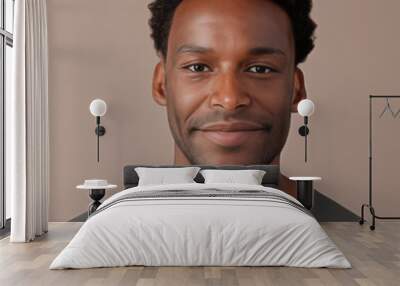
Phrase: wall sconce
(98, 108)
(305, 108)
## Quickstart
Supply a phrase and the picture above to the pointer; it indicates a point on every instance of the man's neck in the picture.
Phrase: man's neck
(284, 183)
(179, 157)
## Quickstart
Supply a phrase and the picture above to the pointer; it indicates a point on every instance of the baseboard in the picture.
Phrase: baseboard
(80, 218)
(5, 231)
(325, 209)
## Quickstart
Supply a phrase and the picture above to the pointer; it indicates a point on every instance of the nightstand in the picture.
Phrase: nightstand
(97, 190)
(305, 191)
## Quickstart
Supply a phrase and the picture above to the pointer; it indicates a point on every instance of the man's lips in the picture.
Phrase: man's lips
(231, 134)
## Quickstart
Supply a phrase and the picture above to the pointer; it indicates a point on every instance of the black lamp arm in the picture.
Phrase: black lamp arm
(304, 131)
(100, 131)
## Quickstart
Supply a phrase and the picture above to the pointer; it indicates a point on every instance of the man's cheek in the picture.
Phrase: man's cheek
(178, 111)
(188, 105)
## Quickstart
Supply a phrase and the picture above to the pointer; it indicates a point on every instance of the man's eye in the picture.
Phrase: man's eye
(197, 68)
(260, 69)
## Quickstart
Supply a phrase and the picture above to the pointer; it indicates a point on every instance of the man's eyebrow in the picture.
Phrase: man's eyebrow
(193, 49)
(257, 51)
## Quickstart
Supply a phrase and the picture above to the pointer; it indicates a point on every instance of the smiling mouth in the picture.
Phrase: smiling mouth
(231, 134)
(230, 138)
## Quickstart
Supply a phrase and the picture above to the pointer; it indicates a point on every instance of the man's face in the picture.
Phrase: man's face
(229, 81)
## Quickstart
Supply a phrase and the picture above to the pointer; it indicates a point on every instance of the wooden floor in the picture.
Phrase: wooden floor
(375, 256)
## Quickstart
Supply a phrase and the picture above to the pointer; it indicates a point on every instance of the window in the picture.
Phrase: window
(6, 62)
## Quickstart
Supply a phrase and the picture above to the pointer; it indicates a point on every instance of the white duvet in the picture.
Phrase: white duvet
(200, 231)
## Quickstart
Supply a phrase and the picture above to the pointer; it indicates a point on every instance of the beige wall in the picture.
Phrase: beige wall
(102, 49)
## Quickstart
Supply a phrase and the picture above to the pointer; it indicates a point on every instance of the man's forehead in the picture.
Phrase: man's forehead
(240, 27)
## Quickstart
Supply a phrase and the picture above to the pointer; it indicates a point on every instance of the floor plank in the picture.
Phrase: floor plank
(374, 255)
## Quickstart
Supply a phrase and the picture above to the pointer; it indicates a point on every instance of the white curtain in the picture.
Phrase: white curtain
(27, 130)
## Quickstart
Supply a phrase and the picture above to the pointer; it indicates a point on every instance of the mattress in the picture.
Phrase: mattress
(201, 225)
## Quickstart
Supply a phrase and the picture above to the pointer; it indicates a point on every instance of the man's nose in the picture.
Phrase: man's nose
(229, 94)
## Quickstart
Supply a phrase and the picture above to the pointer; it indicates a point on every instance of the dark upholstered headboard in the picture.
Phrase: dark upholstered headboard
(270, 178)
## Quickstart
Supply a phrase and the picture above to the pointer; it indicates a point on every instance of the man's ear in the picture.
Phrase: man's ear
(159, 93)
(299, 92)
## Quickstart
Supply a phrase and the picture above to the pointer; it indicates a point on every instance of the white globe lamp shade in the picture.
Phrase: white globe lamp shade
(305, 107)
(98, 107)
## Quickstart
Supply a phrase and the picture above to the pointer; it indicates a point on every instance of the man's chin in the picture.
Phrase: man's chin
(230, 148)
(231, 140)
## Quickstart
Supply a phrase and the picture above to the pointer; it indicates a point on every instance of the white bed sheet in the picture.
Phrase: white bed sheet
(200, 232)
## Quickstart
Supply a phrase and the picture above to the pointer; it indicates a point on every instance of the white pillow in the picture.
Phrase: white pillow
(248, 177)
(161, 176)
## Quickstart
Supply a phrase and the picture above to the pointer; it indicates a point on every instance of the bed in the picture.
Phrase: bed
(201, 224)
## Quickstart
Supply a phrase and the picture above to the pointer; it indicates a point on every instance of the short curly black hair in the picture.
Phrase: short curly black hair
(162, 12)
